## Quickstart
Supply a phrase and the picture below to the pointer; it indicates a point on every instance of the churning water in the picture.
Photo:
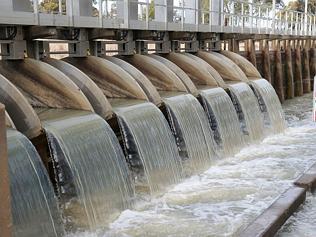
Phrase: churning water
(91, 173)
(150, 146)
(192, 130)
(34, 206)
(233, 192)
(223, 119)
(249, 114)
(269, 104)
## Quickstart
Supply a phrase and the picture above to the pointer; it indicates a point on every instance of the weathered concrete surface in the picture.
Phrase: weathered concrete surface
(141, 79)
(224, 66)
(266, 69)
(218, 78)
(246, 66)
(312, 64)
(112, 79)
(200, 76)
(271, 220)
(19, 109)
(179, 72)
(289, 72)
(278, 74)
(298, 80)
(251, 50)
(306, 71)
(308, 179)
(5, 203)
(8, 121)
(44, 85)
(160, 75)
(93, 93)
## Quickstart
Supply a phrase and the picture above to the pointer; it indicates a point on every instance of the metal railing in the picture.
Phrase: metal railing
(237, 16)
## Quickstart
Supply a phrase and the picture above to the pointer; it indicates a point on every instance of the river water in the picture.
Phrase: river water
(232, 192)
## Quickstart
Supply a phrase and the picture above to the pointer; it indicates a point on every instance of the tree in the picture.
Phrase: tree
(51, 6)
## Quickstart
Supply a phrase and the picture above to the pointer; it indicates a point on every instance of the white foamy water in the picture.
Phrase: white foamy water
(230, 194)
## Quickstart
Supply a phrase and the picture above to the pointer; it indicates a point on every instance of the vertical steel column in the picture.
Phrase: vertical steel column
(5, 204)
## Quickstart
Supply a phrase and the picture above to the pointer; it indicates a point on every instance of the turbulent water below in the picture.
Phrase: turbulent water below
(232, 192)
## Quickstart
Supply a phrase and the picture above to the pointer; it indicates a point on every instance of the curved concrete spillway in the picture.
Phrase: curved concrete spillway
(44, 85)
(93, 93)
(224, 66)
(247, 67)
(179, 72)
(142, 80)
(19, 110)
(112, 79)
(8, 121)
(160, 75)
(220, 81)
(199, 75)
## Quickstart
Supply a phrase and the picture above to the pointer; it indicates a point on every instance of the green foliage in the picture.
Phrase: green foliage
(151, 11)
(53, 5)
(50, 6)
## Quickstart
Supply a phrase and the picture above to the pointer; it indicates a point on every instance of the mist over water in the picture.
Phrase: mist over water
(233, 192)
(34, 206)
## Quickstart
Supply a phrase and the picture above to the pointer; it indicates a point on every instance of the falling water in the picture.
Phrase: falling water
(192, 131)
(249, 114)
(223, 119)
(34, 206)
(269, 104)
(151, 148)
(92, 175)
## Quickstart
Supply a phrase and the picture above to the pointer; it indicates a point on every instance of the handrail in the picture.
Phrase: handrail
(236, 16)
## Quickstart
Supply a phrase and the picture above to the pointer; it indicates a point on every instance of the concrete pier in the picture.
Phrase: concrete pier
(298, 80)
(5, 204)
(289, 73)
(278, 73)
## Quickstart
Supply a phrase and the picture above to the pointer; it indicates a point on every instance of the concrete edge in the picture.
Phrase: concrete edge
(5, 200)
(308, 179)
(272, 219)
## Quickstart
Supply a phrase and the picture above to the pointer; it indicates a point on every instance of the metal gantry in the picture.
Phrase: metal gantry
(229, 16)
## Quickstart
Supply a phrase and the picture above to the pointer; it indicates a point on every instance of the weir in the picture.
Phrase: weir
(35, 210)
(192, 131)
(249, 114)
(270, 104)
(92, 178)
(223, 119)
(126, 103)
(151, 149)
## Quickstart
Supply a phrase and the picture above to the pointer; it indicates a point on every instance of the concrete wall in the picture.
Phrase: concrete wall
(5, 206)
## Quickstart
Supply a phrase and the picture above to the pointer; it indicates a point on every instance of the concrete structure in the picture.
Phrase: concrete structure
(5, 205)
(170, 15)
